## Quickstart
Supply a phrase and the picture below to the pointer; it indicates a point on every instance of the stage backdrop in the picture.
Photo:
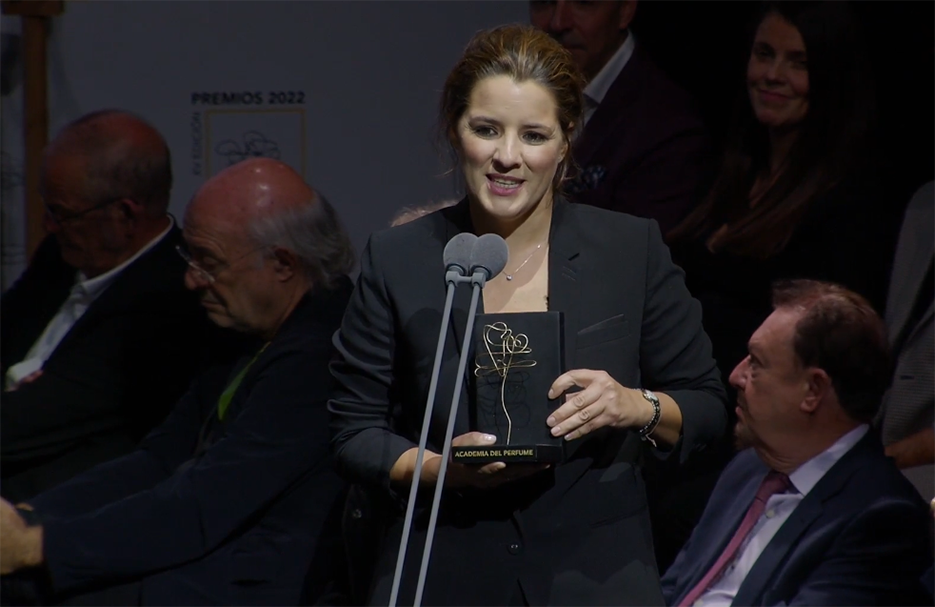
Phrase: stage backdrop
(345, 92)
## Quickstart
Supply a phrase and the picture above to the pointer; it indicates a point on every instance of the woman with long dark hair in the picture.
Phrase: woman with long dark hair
(795, 196)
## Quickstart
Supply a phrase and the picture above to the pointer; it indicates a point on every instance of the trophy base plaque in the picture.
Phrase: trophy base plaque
(508, 454)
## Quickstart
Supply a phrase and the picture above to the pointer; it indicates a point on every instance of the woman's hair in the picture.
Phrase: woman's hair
(523, 53)
(407, 214)
(831, 141)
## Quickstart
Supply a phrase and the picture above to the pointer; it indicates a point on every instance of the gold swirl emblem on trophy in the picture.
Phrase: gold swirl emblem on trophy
(504, 352)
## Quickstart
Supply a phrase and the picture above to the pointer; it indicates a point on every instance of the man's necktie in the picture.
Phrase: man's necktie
(775, 482)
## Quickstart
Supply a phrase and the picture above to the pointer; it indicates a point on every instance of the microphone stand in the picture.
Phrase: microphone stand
(453, 278)
(477, 280)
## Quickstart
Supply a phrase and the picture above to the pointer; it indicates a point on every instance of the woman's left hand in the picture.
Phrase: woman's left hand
(602, 402)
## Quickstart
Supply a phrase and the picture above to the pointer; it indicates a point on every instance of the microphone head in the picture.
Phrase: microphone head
(489, 254)
(457, 255)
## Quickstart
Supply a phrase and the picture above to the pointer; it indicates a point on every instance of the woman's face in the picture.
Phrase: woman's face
(511, 146)
(777, 74)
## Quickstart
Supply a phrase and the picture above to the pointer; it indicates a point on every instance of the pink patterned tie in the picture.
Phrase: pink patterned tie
(775, 482)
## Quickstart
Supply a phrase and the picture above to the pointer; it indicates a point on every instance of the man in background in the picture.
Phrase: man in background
(643, 147)
(812, 512)
(99, 336)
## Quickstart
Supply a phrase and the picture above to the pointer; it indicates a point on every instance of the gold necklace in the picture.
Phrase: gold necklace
(513, 273)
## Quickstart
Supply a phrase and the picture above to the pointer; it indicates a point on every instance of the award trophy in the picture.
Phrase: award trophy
(517, 357)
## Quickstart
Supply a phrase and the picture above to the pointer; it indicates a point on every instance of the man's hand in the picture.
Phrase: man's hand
(20, 545)
(915, 450)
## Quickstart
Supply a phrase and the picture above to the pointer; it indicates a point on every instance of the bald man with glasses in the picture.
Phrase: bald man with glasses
(99, 337)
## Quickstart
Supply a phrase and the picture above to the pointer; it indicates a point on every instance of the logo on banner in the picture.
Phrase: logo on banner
(228, 127)
(254, 144)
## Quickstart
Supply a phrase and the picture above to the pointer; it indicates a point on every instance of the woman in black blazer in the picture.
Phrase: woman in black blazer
(577, 532)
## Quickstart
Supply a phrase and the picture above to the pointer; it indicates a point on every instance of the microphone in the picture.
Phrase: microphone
(489, 254)
(468, 259)
(457, 256)
(488, 258)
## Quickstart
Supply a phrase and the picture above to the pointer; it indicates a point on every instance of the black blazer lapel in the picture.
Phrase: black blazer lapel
(564, 291)
(564, 287)
(458, 220)
(761, 575)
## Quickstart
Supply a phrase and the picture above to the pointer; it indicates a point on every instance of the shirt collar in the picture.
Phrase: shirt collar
(808, 474)
(596, 90)
(93, 287)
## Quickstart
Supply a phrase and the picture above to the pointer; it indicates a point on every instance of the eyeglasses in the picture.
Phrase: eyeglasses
(210, 276)
(62, 217)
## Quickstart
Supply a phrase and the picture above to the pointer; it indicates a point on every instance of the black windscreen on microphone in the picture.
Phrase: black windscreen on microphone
(489, 255)
(458, 251)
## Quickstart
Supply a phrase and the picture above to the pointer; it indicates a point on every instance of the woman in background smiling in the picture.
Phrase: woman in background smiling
(796, 195)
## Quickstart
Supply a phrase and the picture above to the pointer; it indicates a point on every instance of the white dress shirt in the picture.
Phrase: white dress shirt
(596, 90)
(82, 295)
(778, 508)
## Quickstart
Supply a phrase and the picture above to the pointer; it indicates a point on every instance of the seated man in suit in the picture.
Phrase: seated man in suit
(225, 502)
(906, 417)
(643, 146)
(813, 513)
(98, 337)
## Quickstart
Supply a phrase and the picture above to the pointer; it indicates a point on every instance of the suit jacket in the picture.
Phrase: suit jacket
(644, 150)
(210, 512)
(577, 533)
(912, 337)
(862, 536)
(113, 377)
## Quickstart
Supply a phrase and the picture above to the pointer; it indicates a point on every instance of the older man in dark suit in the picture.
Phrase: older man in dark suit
(643, 147)
(228, 501)
(813, 513)
(99, 336)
